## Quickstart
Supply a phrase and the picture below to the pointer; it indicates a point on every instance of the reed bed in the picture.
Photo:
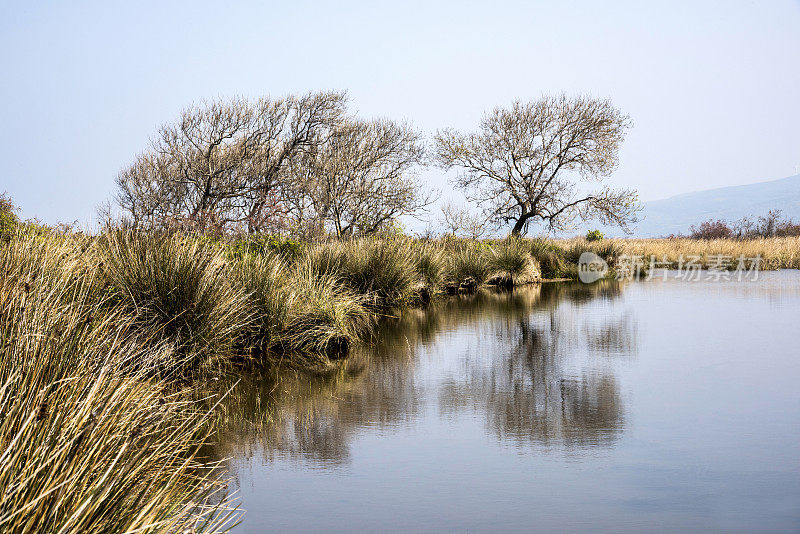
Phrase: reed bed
(88, 443)
(99, 336)
(774, 252)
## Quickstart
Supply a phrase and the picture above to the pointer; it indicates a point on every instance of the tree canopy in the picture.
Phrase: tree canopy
(531, 162)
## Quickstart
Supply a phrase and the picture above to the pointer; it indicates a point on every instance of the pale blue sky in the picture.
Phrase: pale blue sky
(713, 88)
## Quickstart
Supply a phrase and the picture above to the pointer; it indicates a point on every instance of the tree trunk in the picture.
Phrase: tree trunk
(519, 225)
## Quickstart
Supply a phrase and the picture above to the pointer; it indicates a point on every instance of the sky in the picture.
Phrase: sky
(712, 88)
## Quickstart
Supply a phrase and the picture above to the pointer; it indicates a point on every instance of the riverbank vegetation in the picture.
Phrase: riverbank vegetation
(770, 253)
(99, 334)
(263, 231)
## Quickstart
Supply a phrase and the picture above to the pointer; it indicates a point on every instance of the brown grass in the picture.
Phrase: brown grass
(775, 252)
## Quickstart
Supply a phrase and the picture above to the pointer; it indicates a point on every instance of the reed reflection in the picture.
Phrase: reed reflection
(517, 361)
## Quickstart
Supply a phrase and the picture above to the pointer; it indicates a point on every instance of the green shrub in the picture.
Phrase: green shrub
(594, 235)
(289, 249)
(430, 265)
(608, 250)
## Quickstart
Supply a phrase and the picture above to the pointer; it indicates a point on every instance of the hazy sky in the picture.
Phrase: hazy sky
(713, 88)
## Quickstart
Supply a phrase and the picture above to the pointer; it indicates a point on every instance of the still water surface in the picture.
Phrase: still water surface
(649, 406)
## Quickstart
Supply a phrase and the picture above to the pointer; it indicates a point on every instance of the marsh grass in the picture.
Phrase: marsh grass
(85, 444)
(267, 283)
(179, 292)
(775, 252)
(510, 259)
(325, 316)
(550, 257)
(469, 263)
(383, 270)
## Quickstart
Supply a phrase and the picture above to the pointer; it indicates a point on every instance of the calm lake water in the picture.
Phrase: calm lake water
(644, 406)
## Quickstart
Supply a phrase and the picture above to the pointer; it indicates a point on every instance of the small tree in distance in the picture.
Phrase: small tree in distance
(525, 163)
(458, 220)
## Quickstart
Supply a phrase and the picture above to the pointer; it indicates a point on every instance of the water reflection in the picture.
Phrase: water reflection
(524, 363)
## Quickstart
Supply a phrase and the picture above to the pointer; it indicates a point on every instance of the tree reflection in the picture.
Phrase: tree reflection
(529, 367)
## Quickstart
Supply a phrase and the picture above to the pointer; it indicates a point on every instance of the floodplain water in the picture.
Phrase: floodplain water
(650, 406)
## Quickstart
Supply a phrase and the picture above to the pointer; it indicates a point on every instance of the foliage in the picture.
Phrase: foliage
(594, 235)
(325, 316)
(8, 217)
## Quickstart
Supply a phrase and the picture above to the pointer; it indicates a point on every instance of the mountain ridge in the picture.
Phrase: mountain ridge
(674, 215)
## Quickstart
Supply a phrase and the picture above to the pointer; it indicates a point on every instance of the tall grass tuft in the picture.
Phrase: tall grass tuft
(179, 293)
(550, 257)
(430, 269)
(383, 270)
(469, 262)
(84, 447)
(266, 280)
(510, 259)
(324, 316)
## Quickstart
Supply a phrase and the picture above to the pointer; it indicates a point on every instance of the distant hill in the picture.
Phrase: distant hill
(676, 214)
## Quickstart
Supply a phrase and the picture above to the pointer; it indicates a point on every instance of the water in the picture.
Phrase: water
(650, 406)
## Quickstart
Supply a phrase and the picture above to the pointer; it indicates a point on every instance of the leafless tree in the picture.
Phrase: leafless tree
(361, 178)
(223, 163)
(459, 220)
(531, 163)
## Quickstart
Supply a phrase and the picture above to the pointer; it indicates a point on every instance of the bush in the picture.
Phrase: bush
(711, 229)
(430, 267)
(8, 217)
(594, 235)
(259, 245)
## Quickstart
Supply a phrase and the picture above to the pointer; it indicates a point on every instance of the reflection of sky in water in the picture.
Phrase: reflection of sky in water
(646, 406)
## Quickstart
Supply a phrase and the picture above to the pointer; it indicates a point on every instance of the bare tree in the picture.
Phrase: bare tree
(459, 220)
(361, 178)
(528, 163)
(222, 164)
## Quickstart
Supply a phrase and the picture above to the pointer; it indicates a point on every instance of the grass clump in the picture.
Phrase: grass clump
(511, 259)
(179, 293)
(266, 281)
(324, 315)
(551, 258)
(88, 445)
(384, 271)
(430, 270)
(469, 263)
